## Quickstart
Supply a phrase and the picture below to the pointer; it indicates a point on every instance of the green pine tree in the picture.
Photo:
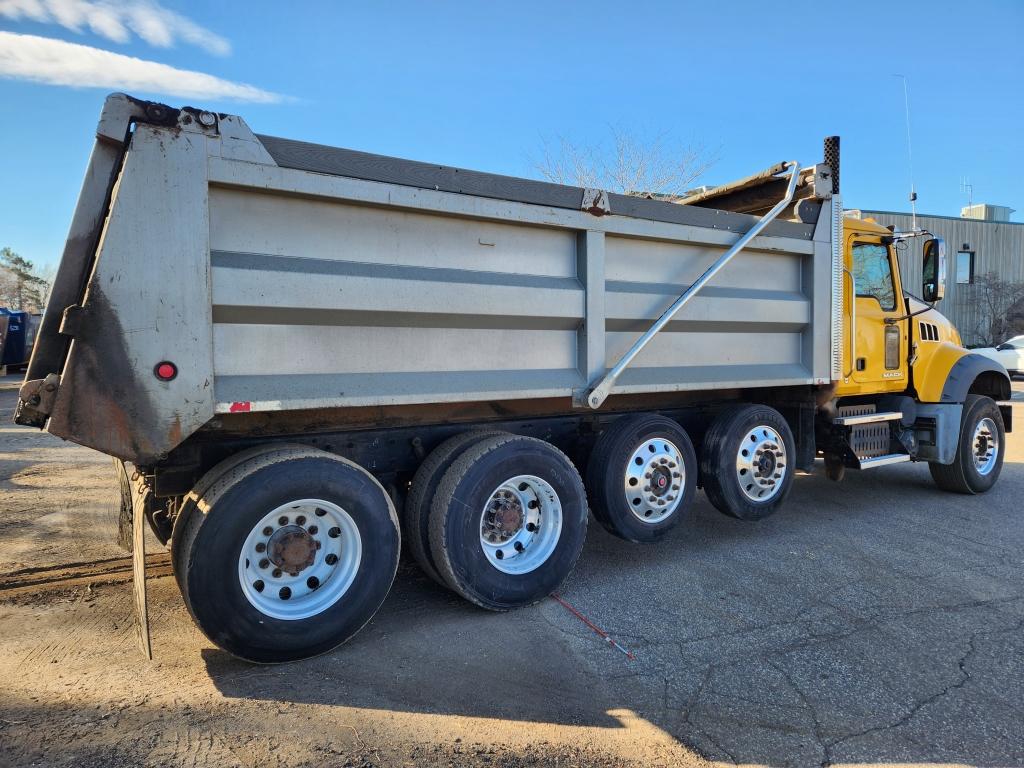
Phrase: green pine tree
(29, 289)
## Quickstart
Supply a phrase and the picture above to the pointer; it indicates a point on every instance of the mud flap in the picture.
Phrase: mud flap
(139, 572)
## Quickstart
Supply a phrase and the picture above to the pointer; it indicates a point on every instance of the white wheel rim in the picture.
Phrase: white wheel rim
(985, 446)
(654, 480)
(299, 559)
(761, 464)
(521, 524)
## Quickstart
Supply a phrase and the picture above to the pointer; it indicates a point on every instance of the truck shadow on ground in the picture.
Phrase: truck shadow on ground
(835, 631)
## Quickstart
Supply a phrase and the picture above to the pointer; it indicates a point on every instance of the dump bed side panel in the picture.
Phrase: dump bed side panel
(333, 291)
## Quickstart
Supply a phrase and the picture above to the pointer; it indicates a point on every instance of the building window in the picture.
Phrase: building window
(965, 267)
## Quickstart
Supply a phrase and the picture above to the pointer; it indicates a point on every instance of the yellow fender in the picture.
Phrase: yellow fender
(950, 373)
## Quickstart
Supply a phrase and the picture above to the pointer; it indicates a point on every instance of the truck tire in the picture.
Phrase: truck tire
(289, 554)
(747, 462)
(642, 477)
(189, 503)
(979, 451)
(416, 514)
(508, 522)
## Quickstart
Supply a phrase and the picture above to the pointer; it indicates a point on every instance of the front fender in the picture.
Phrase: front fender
(950, 377)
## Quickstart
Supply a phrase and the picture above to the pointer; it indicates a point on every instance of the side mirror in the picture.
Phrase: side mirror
(933, 271)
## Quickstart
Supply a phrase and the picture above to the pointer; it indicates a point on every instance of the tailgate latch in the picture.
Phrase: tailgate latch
(35, 400)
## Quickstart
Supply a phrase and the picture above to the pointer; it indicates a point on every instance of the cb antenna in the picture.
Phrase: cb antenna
(968, 189)
(910, 152)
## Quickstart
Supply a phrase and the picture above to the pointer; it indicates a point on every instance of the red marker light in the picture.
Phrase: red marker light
(165, 371)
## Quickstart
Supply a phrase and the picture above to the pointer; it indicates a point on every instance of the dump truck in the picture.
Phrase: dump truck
(303, 357)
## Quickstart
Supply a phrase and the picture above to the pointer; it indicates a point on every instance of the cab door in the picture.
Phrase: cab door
(877, 360)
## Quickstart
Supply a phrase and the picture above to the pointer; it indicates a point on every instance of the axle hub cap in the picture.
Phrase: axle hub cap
(654, 480)
(985, 446)
(291, 549)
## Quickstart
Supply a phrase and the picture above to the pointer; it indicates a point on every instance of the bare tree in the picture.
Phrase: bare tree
(627, 164)
(1000, 309)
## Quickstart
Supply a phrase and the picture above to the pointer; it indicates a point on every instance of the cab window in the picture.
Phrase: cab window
(873, 274)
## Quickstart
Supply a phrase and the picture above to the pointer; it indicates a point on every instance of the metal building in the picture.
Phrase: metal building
(975, 247)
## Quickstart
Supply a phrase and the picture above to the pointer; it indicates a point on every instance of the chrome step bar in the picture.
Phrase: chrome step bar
(867, 418)
(881, 461)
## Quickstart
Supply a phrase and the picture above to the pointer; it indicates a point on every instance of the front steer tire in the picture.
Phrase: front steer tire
(965, 475)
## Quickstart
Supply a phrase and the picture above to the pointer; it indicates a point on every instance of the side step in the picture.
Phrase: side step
(867, 418)
(881, 461)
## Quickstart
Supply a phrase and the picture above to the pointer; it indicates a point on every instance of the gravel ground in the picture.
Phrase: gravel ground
(877, 621)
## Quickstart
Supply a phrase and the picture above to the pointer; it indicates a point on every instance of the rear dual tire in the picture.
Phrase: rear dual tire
(416, 513)
(507, 522)
(286, 554)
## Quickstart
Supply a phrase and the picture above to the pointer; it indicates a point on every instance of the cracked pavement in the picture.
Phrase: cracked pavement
(876, 621)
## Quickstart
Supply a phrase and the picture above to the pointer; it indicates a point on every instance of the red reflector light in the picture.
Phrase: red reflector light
(165, 371)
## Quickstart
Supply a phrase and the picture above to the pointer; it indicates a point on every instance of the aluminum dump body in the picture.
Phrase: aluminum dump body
(279, 275)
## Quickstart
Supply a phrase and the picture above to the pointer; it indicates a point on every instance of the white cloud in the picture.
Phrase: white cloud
(56, 62)
(118, 20)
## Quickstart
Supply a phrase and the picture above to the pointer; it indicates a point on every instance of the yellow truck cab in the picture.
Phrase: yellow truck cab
(908, 389)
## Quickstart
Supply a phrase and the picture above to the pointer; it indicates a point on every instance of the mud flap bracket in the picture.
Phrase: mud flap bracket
(139, 571)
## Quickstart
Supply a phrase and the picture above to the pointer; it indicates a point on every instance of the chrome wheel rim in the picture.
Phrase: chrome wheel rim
(655, 477)
(299, 559)
(761, 464)
(985, 446)
(521, 524)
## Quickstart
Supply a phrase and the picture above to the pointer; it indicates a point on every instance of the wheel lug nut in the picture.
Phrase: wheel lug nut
(300, 520)
(519, 546)
(331, 559)
(282, 520)
(267, 531)
(276, 573)
(261, 547)
(264, 563)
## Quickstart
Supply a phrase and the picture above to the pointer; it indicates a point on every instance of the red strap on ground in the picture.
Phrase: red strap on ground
(597, 630)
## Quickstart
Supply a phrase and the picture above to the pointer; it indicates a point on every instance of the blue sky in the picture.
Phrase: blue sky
(481, 85)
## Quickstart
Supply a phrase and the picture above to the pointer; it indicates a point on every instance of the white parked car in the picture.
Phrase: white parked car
(1010, 354)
